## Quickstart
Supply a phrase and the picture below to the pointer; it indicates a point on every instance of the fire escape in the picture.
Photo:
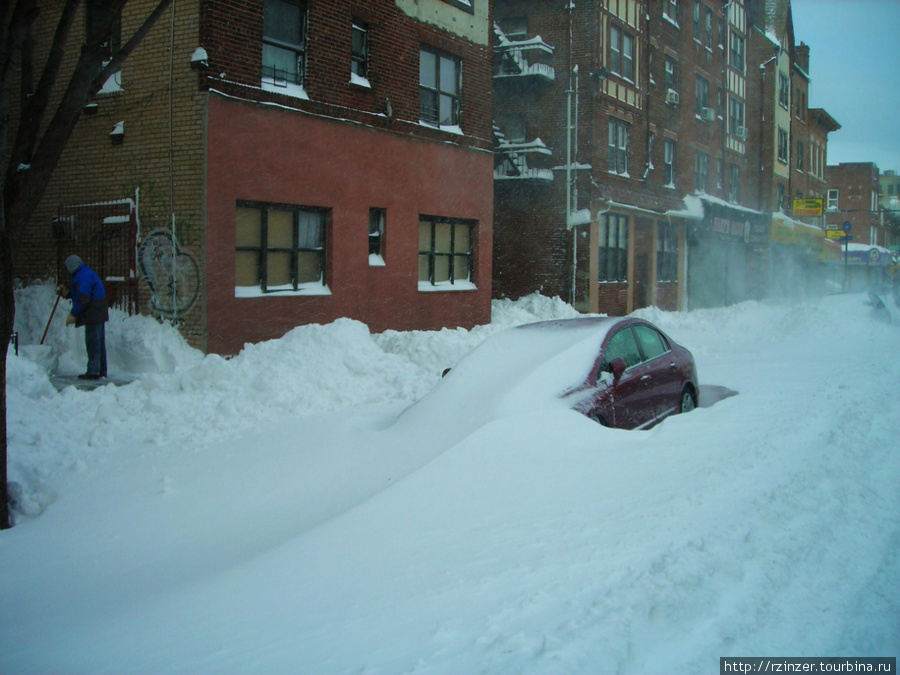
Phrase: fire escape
(521, 67)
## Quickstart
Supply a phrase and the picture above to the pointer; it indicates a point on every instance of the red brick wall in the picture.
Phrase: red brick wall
(347, 169)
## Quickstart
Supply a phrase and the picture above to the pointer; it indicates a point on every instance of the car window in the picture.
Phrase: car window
(621, 346)
(652, 343)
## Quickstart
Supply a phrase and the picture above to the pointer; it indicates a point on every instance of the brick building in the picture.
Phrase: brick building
(853, 198)
(286, 162)
(622, 174)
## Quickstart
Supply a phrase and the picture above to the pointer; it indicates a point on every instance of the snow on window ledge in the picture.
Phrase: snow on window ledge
(113, 85)
(428, 287)
(359, 81)
(284, 88)
(450, 128)
(312, 288)
(376, 260)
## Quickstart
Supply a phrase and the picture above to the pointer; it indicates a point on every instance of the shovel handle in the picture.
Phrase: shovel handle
(50, 319)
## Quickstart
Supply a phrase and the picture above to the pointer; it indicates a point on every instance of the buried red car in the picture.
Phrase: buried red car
(639, 376)
(622, 372)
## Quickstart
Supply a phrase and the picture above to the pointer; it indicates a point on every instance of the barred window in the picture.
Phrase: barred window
(284, 42)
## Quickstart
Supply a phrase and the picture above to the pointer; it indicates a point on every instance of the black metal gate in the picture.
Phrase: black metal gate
(104, 236)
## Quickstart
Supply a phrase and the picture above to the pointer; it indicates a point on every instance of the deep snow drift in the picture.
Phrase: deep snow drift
(270, 513)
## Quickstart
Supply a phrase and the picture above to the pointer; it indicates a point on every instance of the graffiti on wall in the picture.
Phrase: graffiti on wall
(172, 274)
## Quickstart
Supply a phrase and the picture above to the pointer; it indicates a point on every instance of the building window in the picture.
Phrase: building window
(445, 251)
(720, 171)
(702, 96)
(666, 251)
(377, 218)
(278, 247)
(698, 14)
(439, 86)
(105, 30)
(734, 184)
(701, 171)
(359, 51)
(670, 163)
(515, 27)
(782, 146)
(284, 42)
(736, 59)
(736, 117)
(464, 5)
(651, 145)
(671, 82)
(799, 155)
(784, 91)
(619, 141)
(780, 197)
(613, 261)
(621, 53)
(708, 28)
(670, 10)
(831, 202)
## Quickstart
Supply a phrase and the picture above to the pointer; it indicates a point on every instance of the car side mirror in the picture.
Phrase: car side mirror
(617, 368)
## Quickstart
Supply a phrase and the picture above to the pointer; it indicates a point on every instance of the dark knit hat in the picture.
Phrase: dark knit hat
(73, 262)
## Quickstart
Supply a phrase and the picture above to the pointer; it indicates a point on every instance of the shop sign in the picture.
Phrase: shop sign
(808, 207)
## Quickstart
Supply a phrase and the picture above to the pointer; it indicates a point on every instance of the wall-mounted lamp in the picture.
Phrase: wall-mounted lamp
(117, 135)
(199, 59)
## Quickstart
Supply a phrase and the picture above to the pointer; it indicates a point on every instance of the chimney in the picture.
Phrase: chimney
(801, 57)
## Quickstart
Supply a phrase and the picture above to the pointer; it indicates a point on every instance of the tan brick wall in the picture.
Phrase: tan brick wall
(161, 158)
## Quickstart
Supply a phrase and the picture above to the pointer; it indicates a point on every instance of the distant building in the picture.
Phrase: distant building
(259, 165)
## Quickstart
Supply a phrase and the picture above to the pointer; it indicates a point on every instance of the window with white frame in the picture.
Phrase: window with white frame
(734, 183)
(701, 171)
(708, 28)
(613, 259)
(784, 91)
(445, 252)
(831, 201)
(782, 146)
(702, 98)
(670, 10)
(671, 79)
(279, 247)
(670, 163)
(735, 115)
(698, 18)
(359, 52)
(736, 53)
(619, 142)
(800, 156)
(666, 251)
(440, 79)
(284, 42)
(621, 53)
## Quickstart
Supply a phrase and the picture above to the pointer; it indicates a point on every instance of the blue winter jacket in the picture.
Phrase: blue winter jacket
(88, 296)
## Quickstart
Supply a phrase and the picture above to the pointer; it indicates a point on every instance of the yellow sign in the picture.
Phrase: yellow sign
(808, 207)
(834, 234)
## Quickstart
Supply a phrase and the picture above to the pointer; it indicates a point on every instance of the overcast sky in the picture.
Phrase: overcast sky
(854, 65)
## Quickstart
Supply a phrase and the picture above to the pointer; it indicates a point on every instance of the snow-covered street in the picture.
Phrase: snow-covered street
(269, 514)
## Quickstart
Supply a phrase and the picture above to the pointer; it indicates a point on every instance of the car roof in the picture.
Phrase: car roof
(526, 367)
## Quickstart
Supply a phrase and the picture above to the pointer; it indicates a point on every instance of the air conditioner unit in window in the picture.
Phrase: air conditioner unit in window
(741, 133)
(707, 114)
(672, 97)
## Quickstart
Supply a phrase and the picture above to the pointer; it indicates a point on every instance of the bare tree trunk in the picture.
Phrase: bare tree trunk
(40, 147)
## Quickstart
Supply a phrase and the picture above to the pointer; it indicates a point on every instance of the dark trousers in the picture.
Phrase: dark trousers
(95, 341)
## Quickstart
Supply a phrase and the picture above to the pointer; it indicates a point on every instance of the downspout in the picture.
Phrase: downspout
(172, 169)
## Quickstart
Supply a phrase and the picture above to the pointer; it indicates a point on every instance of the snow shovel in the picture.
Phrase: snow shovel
(50, 319)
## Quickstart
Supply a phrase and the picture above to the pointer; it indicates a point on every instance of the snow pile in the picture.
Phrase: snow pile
(279, 510)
